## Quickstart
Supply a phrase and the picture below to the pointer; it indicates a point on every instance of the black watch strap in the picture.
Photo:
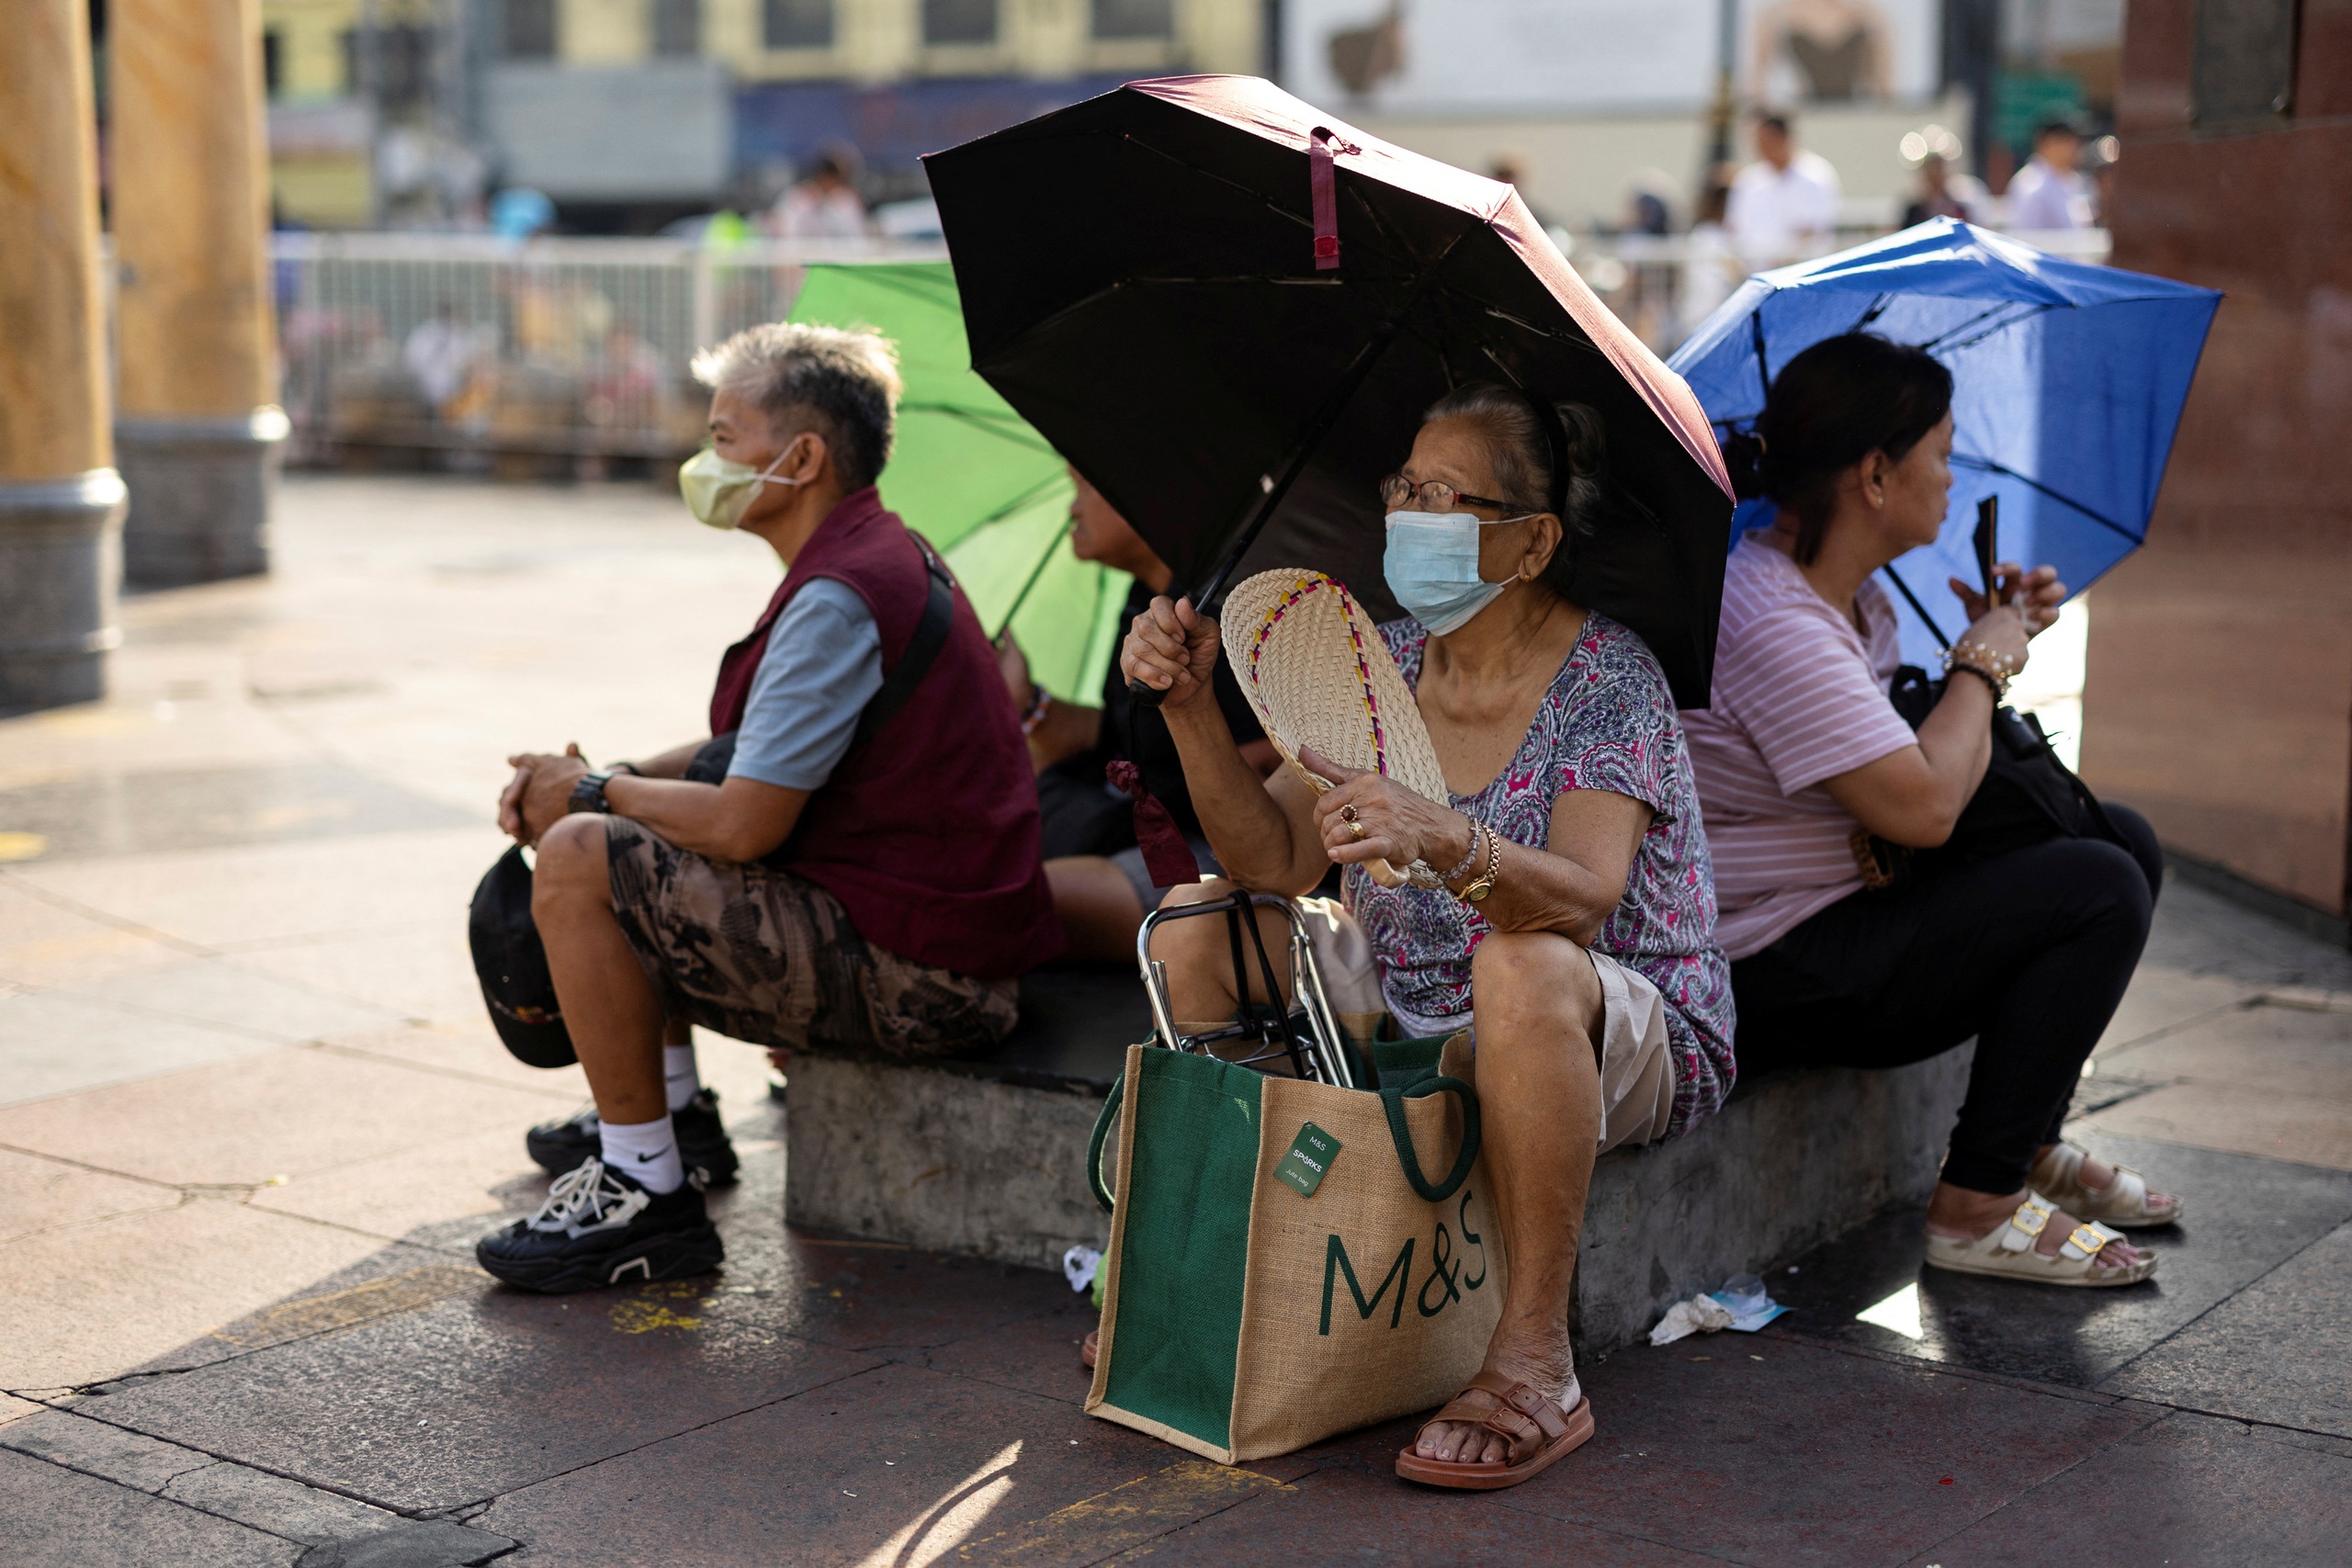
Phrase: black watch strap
(588, 792)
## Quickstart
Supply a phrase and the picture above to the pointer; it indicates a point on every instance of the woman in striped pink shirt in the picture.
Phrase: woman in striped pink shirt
(1803, 761)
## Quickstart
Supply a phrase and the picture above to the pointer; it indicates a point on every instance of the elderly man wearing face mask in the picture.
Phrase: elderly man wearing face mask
(849, 865)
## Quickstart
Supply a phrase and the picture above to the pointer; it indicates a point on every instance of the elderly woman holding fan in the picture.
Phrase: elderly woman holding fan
(1561, 905)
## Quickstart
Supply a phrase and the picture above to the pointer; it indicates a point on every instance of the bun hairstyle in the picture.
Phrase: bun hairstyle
(1547, 457)
(1829, 408)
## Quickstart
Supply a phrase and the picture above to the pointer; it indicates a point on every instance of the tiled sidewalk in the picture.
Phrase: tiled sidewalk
(252, 1120)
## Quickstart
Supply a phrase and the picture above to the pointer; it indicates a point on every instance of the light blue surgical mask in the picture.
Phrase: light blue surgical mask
(1431, 564)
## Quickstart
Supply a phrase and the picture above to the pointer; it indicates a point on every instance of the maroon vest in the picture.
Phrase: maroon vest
(928, 833)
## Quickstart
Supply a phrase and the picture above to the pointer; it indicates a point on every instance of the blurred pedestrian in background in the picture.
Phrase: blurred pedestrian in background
(825, 204)
(1943, 193)
(1649, 207)
(444, 352)
(1102, 885)
(1783, 206)
(2051, 191)
(1710, 268)
(518, 212)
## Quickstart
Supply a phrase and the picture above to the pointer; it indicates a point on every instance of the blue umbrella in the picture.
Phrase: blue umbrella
(2067, 382)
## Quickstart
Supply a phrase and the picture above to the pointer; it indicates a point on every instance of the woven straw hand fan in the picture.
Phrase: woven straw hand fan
(1317, 674)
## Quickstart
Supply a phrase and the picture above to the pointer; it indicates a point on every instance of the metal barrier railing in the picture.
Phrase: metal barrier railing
(1663, 286)
(550, 349)
(547, 352)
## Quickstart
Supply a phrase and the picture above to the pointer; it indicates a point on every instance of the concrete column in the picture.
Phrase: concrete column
(196, 346)
(60, 501)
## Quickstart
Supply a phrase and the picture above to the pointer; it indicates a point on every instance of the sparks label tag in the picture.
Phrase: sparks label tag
(1310, 1157)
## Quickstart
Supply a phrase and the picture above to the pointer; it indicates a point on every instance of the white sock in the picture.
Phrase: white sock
(679, 1075)
(647, 1152)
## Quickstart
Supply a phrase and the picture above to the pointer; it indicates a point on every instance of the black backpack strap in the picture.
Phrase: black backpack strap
(922, 648)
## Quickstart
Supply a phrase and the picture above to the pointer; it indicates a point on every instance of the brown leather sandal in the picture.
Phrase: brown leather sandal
(1088, 1347)
(1538, 1430)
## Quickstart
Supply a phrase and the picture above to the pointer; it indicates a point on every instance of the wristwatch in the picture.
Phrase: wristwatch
(1483, 882)
(588, 792)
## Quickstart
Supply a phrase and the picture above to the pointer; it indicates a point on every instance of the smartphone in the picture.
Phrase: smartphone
(1988, 527)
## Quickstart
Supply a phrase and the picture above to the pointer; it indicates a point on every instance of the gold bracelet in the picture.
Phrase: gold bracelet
(1476, 893)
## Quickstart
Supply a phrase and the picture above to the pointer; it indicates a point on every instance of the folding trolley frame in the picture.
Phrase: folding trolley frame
(1304, 1033)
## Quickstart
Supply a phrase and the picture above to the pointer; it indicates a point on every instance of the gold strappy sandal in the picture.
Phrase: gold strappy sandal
(2124, 1202)
(2007, 1251)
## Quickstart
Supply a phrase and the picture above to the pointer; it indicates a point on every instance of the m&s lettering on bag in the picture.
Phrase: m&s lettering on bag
(1445, 1275)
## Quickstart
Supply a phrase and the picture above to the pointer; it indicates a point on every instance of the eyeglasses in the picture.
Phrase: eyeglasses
(1398, 493)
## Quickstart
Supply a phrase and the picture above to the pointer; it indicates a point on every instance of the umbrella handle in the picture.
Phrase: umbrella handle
(1334, 405)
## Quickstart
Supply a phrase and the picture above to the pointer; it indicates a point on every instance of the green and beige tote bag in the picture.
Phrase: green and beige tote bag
(1281, 1267)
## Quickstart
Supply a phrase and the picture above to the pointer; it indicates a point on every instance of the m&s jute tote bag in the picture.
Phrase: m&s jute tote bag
(1282, 1267)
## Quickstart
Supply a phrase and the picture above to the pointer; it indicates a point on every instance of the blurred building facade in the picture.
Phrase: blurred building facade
(1596, 104)
(628, 112)
(2221, 658)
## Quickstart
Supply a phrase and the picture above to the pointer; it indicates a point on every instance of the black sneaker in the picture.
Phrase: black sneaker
(560, 1146)
(598, 1228)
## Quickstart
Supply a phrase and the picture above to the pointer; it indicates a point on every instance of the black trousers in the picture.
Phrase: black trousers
(2029, 952)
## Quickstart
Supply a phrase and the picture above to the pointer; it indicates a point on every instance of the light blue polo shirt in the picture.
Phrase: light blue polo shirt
(823, 664)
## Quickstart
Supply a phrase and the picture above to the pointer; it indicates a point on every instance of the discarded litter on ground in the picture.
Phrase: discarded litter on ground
(1078, 1266)
(1741, 1304)
(1743, 1296)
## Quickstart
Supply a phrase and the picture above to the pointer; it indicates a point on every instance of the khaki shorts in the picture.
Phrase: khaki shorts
(760, 955)
(1636, 1068)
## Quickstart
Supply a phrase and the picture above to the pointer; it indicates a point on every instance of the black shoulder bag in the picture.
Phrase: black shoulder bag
(2027, 797)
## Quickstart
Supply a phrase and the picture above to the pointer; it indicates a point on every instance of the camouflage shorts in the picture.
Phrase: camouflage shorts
(760, 955)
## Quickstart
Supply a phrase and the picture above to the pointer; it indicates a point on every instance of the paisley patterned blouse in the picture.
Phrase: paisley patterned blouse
(1608, 722)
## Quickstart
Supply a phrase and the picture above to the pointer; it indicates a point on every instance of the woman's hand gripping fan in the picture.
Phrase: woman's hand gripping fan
(1321, 682)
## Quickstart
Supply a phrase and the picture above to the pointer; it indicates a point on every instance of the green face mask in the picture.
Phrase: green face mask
(718, 491)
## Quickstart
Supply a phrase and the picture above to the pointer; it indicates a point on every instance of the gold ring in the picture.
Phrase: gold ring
(1355, 826)
(1346, 813)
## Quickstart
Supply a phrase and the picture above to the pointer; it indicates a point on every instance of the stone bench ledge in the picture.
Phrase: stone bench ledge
(987, 1157)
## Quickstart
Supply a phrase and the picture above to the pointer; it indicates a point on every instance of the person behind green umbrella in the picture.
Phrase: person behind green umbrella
(1101, 881)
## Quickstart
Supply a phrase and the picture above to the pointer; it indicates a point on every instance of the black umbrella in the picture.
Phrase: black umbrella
(1230, 310)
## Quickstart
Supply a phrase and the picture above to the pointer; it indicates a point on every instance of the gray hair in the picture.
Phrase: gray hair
(841, 382)
(1526, 458)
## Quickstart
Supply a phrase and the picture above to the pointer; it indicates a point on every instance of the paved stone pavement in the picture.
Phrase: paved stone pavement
(253, 1118)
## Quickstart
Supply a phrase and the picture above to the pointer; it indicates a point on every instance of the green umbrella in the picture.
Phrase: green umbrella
(973, 478)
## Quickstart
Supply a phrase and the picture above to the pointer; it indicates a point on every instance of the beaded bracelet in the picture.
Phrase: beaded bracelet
(1967, 652)
(2000, 687)
(1040, 700)
(1420, 874)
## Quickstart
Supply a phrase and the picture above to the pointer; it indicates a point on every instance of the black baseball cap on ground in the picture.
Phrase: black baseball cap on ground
(512, 964)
